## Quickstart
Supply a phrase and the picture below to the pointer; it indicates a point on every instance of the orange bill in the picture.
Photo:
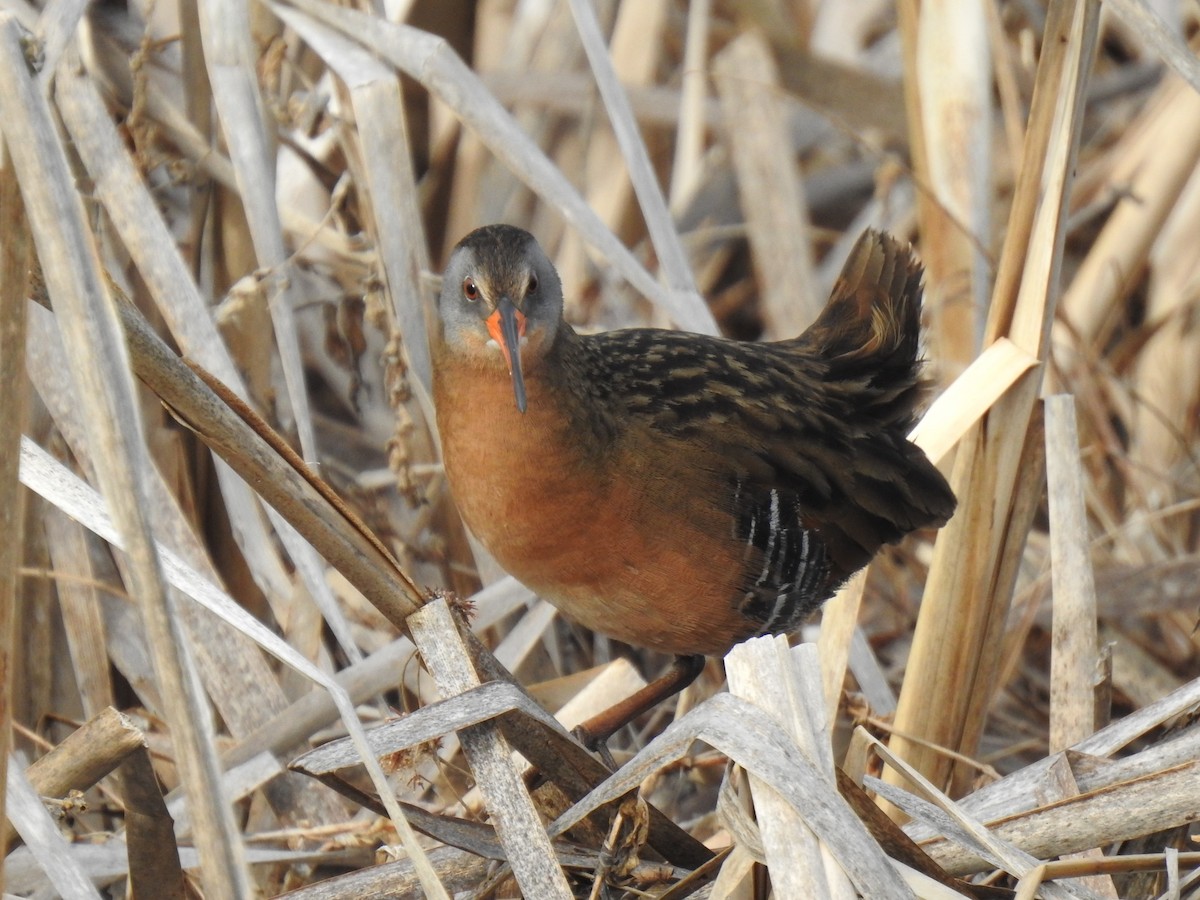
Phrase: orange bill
(506, 325)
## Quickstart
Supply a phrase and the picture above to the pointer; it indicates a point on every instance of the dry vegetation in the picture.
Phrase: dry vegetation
(266, 192)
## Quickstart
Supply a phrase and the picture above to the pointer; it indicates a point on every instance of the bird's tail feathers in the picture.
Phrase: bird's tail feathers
(874, 312)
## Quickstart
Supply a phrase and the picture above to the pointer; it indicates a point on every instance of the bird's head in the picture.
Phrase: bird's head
(501, 301)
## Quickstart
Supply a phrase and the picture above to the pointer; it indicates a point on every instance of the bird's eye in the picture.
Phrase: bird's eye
(533, 285)
(470, 289)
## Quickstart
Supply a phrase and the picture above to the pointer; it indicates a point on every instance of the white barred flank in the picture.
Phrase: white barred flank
(793, 563)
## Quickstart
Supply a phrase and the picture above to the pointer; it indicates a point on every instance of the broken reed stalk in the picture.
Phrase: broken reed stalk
(951, 671)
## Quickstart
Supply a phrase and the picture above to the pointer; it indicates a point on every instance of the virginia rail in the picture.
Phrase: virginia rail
(672, 490)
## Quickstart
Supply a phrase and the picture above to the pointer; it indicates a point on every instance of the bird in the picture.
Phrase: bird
(677, 491)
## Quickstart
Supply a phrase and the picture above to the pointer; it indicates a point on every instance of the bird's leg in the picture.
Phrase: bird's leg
(599, 728)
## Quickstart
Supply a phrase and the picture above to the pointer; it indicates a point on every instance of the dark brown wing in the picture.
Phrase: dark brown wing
(805, 439)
